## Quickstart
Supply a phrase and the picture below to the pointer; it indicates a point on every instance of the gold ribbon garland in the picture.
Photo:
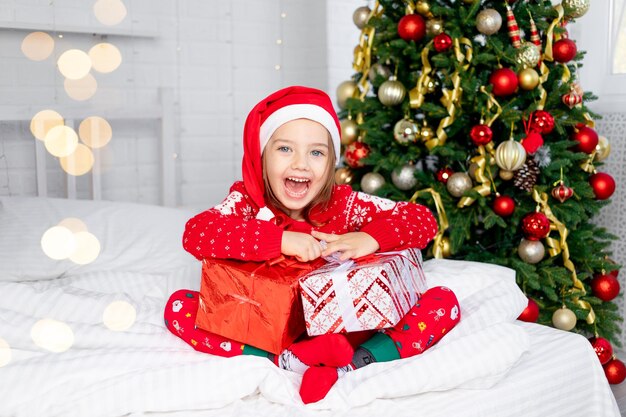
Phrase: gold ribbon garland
(547, 55)
(363, 52)
(439, 241)
(451, 98)
(560, 246)
(416, 95)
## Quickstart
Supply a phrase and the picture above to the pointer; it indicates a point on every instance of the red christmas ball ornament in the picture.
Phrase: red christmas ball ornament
(542, 122)
(355, 152)
(564, 50)
(504, 82)
(587, 139)
(412, 27)
(562, 192)
(443, 174)
(442, 42)
(603, 349)
(503, 205)
(481, 134)
(606, 287)
(603, 185)
(531, 312)
(535, 226)
(532, 142)
(615, 371)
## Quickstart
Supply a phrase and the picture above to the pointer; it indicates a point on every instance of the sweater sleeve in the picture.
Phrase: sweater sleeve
(394, 225)
(230, 231)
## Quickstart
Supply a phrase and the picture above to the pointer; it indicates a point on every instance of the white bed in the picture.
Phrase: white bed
(489, 365)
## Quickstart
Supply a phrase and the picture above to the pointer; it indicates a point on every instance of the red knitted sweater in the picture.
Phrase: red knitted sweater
(230, 229)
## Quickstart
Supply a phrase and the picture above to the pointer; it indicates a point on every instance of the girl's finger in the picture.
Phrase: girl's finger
(328, 237)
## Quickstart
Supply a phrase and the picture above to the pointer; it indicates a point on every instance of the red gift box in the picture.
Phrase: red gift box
(369, 293)
(252, 302)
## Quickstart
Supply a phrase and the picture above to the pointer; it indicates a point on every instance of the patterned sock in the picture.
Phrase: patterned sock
(328, 349)
(316, 382)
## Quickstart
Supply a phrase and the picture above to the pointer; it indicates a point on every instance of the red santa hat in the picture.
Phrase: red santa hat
(269, 114)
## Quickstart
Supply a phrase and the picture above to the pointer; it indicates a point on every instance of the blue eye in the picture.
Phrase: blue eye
(284, 148)
(317, 153)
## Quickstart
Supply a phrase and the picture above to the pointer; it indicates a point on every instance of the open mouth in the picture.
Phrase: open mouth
(297, 187)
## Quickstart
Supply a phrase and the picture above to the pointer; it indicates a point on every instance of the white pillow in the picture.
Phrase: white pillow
(133, 237)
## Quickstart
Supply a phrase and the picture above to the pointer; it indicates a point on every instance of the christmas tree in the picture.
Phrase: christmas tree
(473, 108)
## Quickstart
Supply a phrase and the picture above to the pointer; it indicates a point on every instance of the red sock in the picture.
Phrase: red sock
(328, 349)
(316, 382)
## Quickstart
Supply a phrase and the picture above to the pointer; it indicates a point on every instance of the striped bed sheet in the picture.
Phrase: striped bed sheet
(489, 365)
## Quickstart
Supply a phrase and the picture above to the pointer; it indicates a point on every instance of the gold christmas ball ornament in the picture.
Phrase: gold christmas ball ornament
(528, 79)
(345, 90)
(531, 251)
(404, 177)
(575, 8)
(360, 15)
(528, 54)
(349, 131)
(391, 92)
(488, 21)
(458, 184)
(434, 27)
(603, 148)
(406, 131)
(564, 319)
(378, 69)
(343, 176)
(510, 155)
(372, 182)
(426, 133)
(445, 246)
(506, 175)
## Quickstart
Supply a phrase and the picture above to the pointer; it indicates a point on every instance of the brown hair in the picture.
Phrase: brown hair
(322, 198)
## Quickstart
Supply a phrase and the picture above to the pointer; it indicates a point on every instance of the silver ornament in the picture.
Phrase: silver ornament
(406, 131)
(564, 319)
(575, 8)
(531, 251)
(488, 21)
(360, 15)
(391, 92)
(510, 155)
(404, 177)
(371, 182)
(458, 184)
(528, 54)
(378, 69)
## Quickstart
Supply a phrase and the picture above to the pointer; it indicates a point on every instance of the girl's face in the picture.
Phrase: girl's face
(296, 163)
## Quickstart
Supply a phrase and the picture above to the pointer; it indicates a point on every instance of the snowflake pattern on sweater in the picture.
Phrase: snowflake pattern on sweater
(230, 229)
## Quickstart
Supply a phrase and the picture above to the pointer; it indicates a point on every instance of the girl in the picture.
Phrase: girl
(288, 204)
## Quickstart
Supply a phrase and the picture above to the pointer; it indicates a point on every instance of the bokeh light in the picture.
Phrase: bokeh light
(43, 121)
(81, 89)
(119, 316)
(74, 64)
(58, 243)
(109, 12)
(95, 131)
(5, 353)
(78, 163)
(61, 141)
(37, 46)
(73, 224)
(52, 335)
(87, 248)
(105, 57)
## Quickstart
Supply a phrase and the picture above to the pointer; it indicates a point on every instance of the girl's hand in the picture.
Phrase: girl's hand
(351, 245)
(302, 246)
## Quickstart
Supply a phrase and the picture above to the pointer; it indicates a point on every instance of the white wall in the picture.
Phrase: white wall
(218, 57)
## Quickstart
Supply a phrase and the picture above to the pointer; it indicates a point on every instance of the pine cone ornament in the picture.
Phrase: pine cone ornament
(526, 177)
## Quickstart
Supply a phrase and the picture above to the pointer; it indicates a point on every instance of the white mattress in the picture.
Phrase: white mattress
(489, 365)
